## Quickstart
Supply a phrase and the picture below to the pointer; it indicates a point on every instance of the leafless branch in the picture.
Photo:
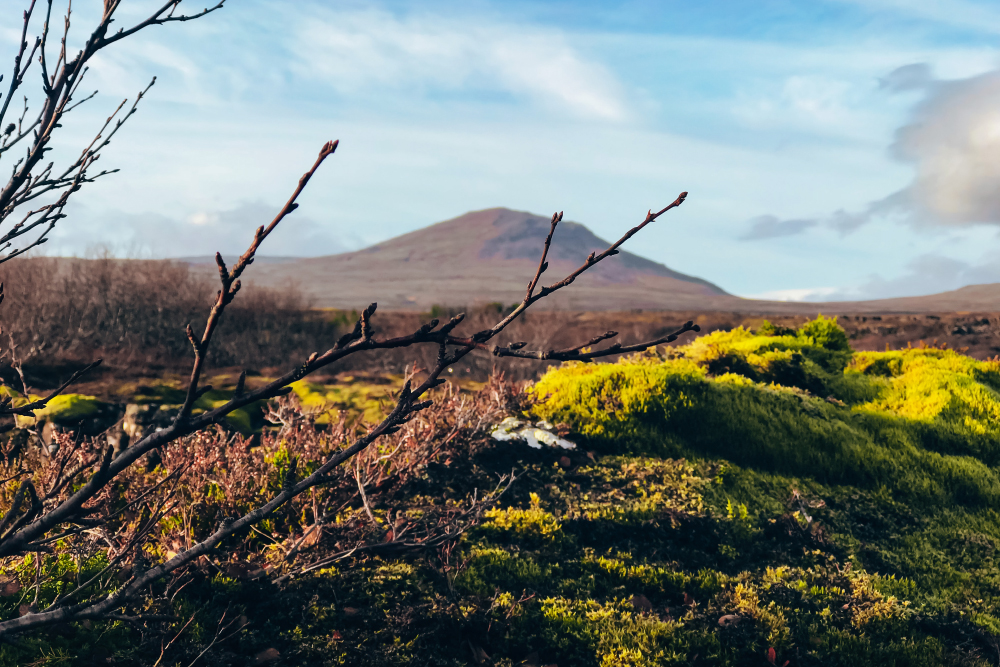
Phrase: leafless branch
(33, 523)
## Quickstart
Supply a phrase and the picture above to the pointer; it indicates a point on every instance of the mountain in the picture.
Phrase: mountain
(486, 256)
(968, 298)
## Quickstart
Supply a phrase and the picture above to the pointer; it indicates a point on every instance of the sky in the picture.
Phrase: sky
(832, 149)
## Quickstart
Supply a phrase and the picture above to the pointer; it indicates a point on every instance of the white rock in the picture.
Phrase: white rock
(534, 436)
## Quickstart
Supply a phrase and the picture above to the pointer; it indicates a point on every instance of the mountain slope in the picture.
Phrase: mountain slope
(489, 256)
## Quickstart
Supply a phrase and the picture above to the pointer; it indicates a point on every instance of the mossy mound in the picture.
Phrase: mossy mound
(901, 446)
(155, 406)
(87, 414)
(68, 409)
(326, 402)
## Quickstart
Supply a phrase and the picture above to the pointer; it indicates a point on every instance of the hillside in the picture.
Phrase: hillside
(481, 257)
(488, 256)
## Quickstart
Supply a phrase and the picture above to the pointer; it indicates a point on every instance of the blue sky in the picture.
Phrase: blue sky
(832, 149)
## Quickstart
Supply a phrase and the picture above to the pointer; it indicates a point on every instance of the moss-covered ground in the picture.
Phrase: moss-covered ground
(752, 498)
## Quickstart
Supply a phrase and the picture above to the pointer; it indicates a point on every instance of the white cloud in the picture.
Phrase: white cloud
(201, 233)
(358, 52)
(796, 294)
(953, 142)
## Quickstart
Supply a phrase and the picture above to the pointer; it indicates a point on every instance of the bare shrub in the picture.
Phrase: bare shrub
(127, 311)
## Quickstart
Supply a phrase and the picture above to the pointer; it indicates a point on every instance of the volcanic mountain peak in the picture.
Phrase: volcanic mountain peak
(488, 256)
(498, 236)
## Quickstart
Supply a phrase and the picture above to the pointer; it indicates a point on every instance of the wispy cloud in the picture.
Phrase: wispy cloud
(769, 227)
(974, 16)
(201, 233)
(817, 104)
(363, 51)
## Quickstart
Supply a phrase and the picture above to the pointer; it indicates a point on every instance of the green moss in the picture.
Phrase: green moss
(927, 432)
(70, 409)
(532, 525)
(903, 466)
(327, 401)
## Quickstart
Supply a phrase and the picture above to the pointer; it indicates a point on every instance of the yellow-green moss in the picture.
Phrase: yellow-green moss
(533, 524)
(69, 408)
(921, 422)
(326, 401)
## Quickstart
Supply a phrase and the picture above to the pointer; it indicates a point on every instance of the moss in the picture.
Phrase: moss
(900, 477)
(69, 409)
(532, 525)
(928, 432)
(327, 401)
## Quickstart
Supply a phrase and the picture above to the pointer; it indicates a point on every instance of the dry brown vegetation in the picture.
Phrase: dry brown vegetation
(63, 313)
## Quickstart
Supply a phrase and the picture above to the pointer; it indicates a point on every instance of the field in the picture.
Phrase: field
(751, 497)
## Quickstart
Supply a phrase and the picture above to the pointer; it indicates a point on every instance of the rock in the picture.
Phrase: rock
(535, 436)
(267, 656)
(728, 620)
(143, 419)
(642, 603)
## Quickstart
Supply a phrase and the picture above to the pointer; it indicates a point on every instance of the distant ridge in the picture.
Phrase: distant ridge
(488, 256)
(482, 257)
(229, 259)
